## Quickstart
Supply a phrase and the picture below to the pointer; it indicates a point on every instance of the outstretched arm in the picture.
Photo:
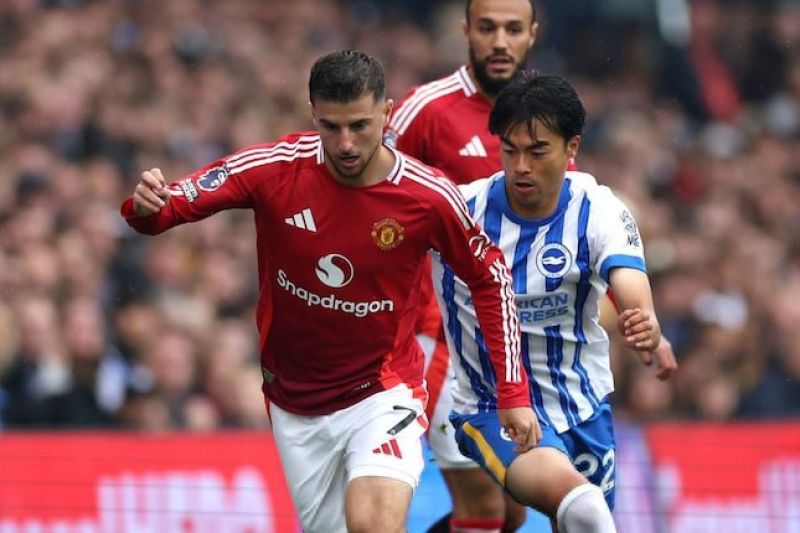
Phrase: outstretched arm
(157, 205)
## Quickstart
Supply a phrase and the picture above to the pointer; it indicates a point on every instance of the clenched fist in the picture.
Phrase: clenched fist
(151, 193)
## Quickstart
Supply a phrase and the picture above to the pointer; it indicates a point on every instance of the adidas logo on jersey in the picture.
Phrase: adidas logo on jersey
(389, 448)
(303, 220)
(474, 148)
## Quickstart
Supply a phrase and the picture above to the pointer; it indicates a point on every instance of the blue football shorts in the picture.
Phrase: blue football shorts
(590, 446)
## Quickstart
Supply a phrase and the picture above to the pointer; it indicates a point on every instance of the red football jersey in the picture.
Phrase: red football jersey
(340, 269)
(445, 123)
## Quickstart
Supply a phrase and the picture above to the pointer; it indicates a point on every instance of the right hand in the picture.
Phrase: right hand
(522, 426)
(151, 193)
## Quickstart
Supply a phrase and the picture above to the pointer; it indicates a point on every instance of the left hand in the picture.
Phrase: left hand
(643, 334)
(639, 329)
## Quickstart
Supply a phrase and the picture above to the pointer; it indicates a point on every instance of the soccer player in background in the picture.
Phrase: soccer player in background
(444, 124)
(343, 226)
(568, 240)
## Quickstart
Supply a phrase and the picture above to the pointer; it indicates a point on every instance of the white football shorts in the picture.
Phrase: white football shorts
(441, 434)
(379, 436)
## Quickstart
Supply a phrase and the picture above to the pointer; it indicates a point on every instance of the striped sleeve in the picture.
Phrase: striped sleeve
(480, 264)
(615, 236)
(224, 184)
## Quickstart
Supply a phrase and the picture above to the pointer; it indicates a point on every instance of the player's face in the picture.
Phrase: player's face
(499, 33)
(351, 133)
(534, 161)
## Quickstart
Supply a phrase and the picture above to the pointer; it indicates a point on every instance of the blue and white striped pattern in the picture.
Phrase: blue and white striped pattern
(559, 266)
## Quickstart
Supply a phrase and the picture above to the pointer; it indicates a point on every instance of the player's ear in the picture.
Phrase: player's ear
(465, 28)
(386, 112)
(534, 31)
(573, 145)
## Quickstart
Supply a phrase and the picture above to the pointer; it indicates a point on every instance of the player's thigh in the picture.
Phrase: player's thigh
(377, 504)
(592, 447)
(483, 439)
(385, 445)
(313, 464)
(542, 477)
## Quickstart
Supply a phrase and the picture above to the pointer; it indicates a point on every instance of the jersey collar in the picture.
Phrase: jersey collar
(394, 175)
(467, 85)
(499, 200)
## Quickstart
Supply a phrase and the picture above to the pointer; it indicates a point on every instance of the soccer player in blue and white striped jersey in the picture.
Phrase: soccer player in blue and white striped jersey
(567, 239)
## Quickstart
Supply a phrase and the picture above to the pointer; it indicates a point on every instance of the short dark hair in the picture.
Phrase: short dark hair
(345, 76)
(530, 96)
(469, 5)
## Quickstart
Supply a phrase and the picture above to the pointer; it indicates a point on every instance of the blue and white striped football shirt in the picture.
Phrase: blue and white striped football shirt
(560, 266)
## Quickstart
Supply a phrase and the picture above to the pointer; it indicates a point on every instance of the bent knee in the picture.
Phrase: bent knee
(369, 519)
(364, 524)
(541, 477)
(377, 504)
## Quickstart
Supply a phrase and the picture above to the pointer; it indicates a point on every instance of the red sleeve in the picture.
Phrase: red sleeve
(613, 299)
(480, 264)
(217, 186)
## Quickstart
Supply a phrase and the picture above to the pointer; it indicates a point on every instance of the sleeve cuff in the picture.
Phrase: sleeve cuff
(127, 209)
(146, 225)
(514, 395)
(621, 261)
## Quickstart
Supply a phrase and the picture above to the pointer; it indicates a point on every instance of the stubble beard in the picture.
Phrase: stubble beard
(355, 174)
(491, 86)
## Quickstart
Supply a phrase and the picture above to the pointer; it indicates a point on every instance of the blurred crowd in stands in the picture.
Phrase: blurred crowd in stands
(694, 118)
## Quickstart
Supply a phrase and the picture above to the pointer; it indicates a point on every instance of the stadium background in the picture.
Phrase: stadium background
(694, 117)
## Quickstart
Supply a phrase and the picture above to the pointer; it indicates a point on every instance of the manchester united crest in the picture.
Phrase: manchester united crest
(387, 233)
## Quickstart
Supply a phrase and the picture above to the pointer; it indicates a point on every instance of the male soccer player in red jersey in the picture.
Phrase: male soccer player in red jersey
(343, 227)
(444, 123)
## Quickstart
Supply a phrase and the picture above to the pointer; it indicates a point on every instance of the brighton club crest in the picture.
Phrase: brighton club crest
(553, 260)
(387, 233)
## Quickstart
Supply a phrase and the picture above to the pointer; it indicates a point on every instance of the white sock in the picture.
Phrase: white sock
(584, 510)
